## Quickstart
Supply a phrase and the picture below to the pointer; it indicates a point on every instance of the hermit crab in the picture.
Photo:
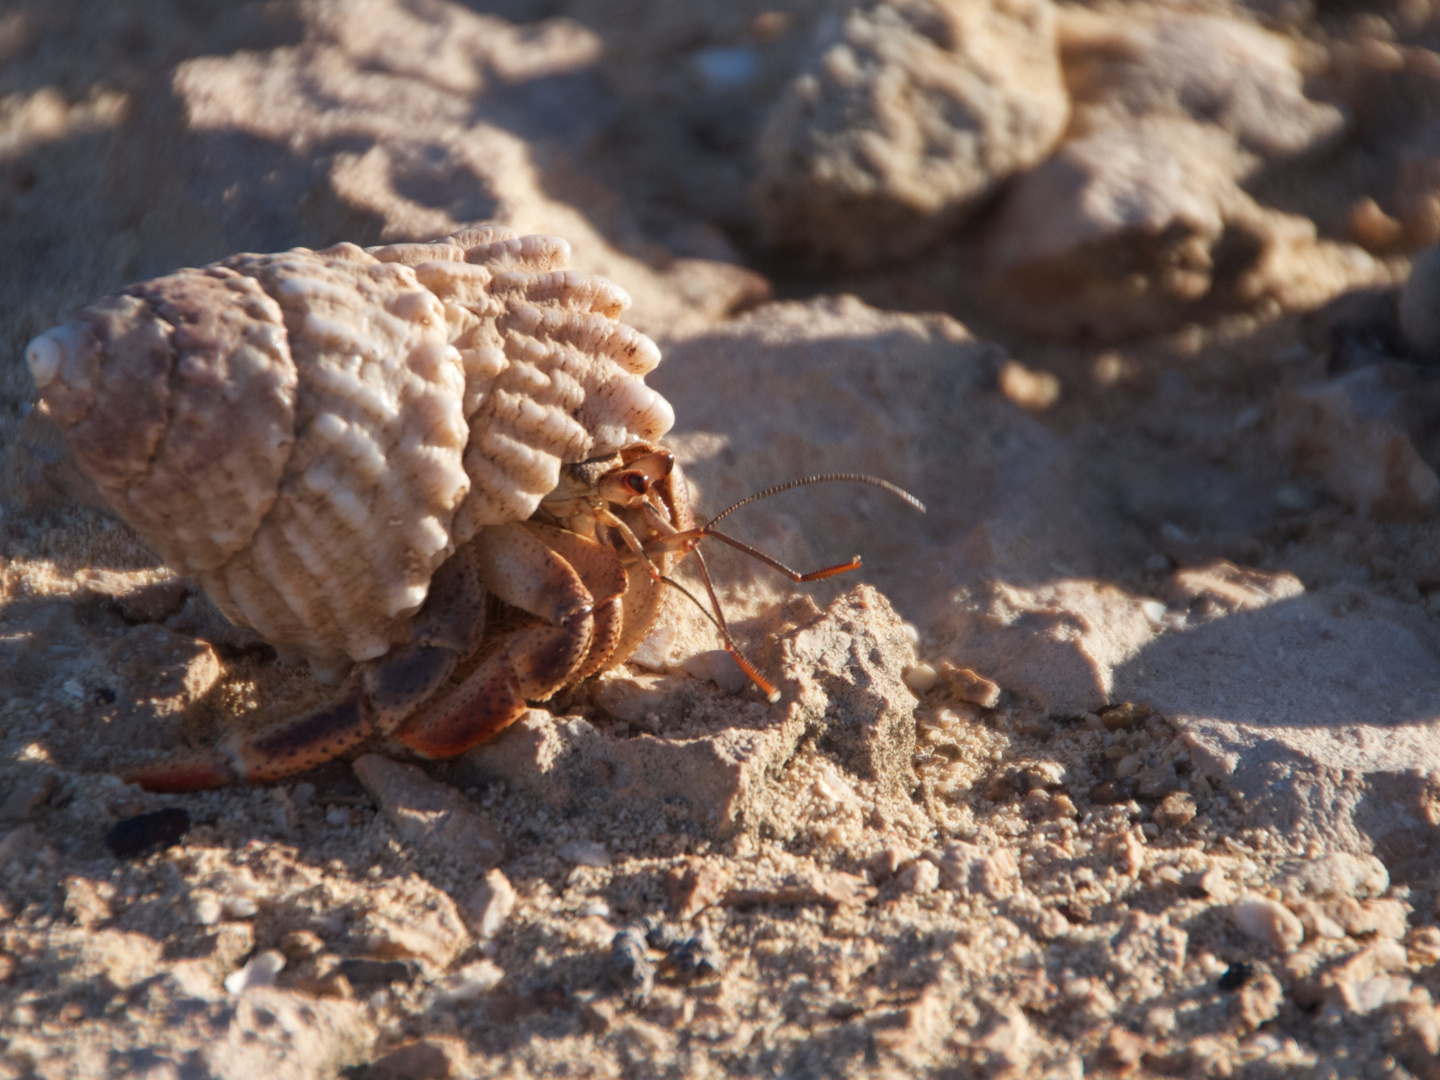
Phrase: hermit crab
(430, 470)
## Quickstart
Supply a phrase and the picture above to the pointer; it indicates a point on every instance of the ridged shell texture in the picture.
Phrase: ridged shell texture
(309, 435)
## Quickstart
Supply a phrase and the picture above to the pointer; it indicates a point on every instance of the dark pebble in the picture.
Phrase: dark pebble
(694, 958)
(141, 835)
(362, 972)
(658, 935)
(1112, 792)
(630, 969)
(1124, 714)
(1236, 976)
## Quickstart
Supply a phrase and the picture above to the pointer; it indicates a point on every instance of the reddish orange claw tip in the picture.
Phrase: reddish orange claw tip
(180, 773)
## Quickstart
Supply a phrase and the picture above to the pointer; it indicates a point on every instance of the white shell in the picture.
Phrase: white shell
(309, 435)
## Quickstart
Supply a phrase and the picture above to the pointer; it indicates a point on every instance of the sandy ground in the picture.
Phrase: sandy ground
(1121, 760)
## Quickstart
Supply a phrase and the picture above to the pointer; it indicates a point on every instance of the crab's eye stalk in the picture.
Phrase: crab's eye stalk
(631, 484)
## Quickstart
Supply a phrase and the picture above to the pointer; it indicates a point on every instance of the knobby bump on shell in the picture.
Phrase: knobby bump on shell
(309, 435)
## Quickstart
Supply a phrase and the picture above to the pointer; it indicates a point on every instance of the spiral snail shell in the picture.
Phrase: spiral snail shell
(309, 435)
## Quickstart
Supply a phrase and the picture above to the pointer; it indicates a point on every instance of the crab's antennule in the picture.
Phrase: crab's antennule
(858, 478)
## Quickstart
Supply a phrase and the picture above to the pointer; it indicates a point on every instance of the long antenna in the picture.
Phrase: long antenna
(859, 478)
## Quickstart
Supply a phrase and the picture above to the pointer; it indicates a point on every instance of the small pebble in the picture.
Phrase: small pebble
(206, 910)
(1129, 765)
(584, 853)
(489, 904)
(1236, 976)
(1125, 714)
(238, 907)
(1112, 792)
(921, 877)
(137, 836)
(969, 685)
(260, 971)
(365, 973)
(1267, 921)
(630, 969)
(1175, 810)
(659, 934)
(301, 944)
(1026, 387)
(920, 678)
(470, 982)
(694, 958)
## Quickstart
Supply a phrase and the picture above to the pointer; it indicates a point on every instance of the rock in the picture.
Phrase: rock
(1258, 1001)
(1224, 588)
(921, 877)
(694, 887)
(1140, 219)
(971, 870)
(260, 971)
(1056, 645)
(1175, 810)
(300, 945)
(1147, 945)
(157, 674)
(139, 836)
(1418, 309)
(840, 673)
(142, 596)
(430, 816)
(920, 678)
(1318, 713)
(847, 667)
(970, 686)
(412, 919)
(909, 119)
(1122, 1050)
(284, 1035)
(488, 905)
(692, 958)
(1267, 922)
(470, 982)
(1215, 69)
(1008, 1046)
(1353, 434)
(1136, 227)
(1336, 875)
(1033, 390)
(630, 968)
(435, 1057)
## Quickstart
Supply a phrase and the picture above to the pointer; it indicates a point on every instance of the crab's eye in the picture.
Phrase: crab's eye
(636, 483)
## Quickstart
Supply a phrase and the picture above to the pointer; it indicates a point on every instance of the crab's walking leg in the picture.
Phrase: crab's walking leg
(568, 591)
(373, 701)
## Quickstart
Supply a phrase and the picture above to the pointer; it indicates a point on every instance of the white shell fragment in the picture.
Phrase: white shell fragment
(309, 435)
